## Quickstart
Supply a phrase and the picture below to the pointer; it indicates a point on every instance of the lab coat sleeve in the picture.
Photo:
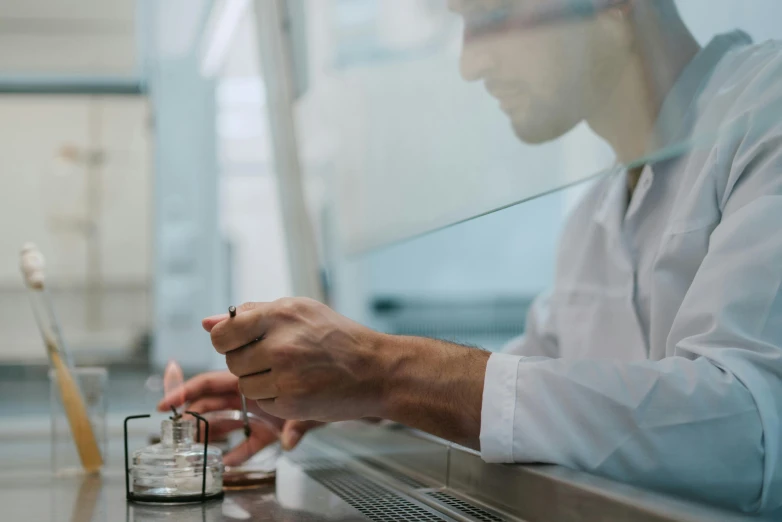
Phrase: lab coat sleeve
(539, 337)
(539, 340)
(704, 423)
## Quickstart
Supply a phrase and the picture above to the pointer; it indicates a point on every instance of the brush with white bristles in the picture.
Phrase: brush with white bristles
(32, 265)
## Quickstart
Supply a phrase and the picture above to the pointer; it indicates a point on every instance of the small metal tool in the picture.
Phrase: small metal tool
(245, 418)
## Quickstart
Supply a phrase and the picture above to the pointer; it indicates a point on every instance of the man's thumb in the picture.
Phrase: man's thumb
(293, 431)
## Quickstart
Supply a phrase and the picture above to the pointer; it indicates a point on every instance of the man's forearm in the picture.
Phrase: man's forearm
(435, 386)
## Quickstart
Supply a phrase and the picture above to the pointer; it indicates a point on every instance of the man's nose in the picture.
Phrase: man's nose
(475, 61)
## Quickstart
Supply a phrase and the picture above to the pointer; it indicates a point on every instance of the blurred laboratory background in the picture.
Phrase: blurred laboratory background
(174, 157)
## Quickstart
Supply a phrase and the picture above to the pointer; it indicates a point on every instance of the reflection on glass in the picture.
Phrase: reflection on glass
(428, 113)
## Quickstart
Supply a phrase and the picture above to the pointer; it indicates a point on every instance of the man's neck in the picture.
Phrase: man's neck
(627, 118)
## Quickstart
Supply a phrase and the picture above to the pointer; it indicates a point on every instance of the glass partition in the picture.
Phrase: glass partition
(427, 113)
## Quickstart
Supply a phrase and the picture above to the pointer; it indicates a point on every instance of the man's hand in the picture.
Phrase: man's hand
(301, 360)
(215, 391)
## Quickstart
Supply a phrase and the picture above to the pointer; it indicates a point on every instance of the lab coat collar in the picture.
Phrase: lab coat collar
(675, 120)
(613, 200)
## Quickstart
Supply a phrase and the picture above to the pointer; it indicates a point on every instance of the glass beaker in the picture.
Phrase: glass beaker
(93, 383)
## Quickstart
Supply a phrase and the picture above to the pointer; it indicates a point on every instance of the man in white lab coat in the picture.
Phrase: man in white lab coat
(656, 358)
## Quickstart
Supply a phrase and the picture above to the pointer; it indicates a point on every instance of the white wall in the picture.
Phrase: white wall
(45, 200)
(50, 37)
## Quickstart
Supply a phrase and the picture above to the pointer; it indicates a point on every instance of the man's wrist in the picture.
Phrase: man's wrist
(433, 385)
(394, 357)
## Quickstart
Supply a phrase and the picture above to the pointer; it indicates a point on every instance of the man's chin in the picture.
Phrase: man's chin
(535, 134)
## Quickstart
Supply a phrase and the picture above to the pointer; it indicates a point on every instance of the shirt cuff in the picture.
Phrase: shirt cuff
(499, 405)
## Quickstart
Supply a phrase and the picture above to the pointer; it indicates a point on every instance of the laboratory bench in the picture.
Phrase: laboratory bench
(344, 472)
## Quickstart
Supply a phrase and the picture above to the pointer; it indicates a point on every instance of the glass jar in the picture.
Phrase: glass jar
(172, 470)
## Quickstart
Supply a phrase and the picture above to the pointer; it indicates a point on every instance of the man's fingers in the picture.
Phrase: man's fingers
(293, 431)
(259, 439)
(248, 360)
(259, 386)
(234, 332)
(280, 408)
(218, 429)
(209, 323)
(211, 383)
(207, 404)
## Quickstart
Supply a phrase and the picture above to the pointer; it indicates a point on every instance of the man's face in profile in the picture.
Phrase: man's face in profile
(547, 64)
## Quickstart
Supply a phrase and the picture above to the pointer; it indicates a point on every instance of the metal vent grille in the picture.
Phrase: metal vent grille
(465, 508)
(371, 499)
(319, 464)
(396, 475)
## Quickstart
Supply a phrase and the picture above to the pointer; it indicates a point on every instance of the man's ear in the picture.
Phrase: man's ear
(617, 20)
(620, 8)
(624, 6)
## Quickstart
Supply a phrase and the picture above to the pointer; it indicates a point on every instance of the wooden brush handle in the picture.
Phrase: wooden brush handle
(76, 411)
(33, 266)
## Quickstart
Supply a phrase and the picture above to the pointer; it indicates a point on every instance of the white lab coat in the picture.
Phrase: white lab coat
(656, 358)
